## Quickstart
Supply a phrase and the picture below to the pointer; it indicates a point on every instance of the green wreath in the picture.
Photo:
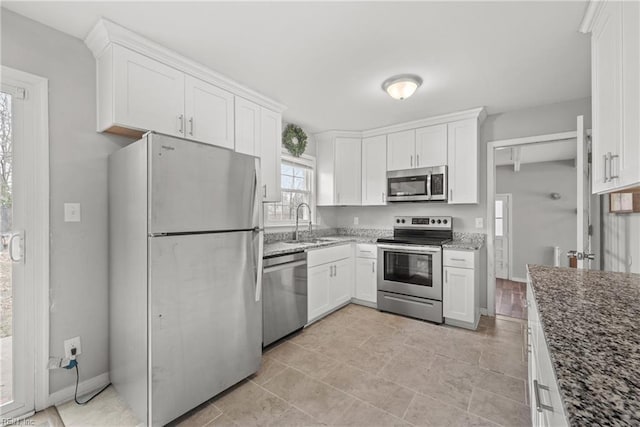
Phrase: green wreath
(294, 139)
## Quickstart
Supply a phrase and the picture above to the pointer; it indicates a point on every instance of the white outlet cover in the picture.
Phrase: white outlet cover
(356, 220)
(479, 222)
(72, 212)
(71, 343)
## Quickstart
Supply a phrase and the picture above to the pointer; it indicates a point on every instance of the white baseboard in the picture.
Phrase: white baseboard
(87, 386)
(484, 312)
(365, 303)
(518, 279)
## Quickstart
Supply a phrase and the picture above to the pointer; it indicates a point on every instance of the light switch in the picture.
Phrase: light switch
(356, 220)
(479, 223)
(72, 212)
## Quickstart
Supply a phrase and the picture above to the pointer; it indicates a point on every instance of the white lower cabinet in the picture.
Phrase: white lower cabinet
(329, 279)
(547, 409)
(366, 273)
(460, 294)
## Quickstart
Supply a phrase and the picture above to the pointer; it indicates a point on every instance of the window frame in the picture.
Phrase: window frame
(306, 161)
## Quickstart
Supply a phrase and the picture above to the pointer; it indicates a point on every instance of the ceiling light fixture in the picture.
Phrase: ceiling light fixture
(401, 86)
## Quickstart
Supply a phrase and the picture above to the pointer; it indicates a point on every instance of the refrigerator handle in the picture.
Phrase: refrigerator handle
(257, 221)
(259, 265)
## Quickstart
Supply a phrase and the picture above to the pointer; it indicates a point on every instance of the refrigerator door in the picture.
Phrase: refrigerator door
(205, 318)
(198, 187)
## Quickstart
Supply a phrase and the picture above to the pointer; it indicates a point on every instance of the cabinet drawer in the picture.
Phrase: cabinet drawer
(364, 250)
(457, 258)
(325, 255)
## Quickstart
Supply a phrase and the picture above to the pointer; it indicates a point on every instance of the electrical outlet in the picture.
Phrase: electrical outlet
(356, 220)
(72, 343)
(479, 223)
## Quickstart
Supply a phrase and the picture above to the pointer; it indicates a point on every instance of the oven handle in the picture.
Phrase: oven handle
(406, 248)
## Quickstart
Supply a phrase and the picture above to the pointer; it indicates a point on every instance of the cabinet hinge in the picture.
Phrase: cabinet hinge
(589, 157)
(590, 230)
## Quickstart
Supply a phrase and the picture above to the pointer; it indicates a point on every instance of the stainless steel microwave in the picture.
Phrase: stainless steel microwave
(417, 185)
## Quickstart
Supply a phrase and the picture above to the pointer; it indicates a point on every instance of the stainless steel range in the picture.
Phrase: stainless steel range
(410, 272)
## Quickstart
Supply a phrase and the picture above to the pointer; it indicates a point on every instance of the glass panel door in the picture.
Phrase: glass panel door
(410, 268)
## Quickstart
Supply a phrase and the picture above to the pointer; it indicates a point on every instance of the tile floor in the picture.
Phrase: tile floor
(511, 298)
(360, 367)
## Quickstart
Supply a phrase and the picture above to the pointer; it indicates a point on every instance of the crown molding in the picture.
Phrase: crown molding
(106, 32)
(590, 14)
(479, 113)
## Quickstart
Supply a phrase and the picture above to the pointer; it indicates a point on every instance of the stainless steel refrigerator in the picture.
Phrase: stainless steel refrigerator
(185, 273)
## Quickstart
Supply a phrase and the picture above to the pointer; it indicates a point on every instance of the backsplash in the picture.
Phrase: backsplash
(469, 237)
(364, 232)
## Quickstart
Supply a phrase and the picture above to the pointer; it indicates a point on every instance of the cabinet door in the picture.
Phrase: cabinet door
(270, 149)
(147, 95)
(366, 286)
(318, 288)
(247, 129)
(348, 177)
(208, 113)
(606, 57)
(431, 146)
(458, 294)
(341, 288)
(629, 160)
(462, 147)
(374, 170)
(401, 147)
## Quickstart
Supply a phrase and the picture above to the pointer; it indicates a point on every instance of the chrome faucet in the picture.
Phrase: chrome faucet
(295, 236)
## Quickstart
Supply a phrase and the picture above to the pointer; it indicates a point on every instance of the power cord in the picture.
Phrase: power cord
(73, 363)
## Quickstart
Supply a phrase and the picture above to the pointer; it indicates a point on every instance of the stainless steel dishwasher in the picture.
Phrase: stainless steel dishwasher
(284, 296)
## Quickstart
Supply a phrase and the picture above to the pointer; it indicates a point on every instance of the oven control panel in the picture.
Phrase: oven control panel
(424, 222)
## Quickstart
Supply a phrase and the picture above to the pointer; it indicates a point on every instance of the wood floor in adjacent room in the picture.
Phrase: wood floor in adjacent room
(511, 298)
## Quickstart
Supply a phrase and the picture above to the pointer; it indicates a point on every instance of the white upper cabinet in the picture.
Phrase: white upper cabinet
(374, 167)
(248, 127)
(208, 113)
(615, 73)
(431, 146)
(270, 154)
(463, 161)
(136, 92)
(401, 147)
(338, 166)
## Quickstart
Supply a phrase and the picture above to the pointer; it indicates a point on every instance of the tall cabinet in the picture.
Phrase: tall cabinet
(339, 169)
(615, 88)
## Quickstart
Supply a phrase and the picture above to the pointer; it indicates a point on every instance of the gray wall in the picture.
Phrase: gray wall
(546, 119)
(540, 222)
(78, 173)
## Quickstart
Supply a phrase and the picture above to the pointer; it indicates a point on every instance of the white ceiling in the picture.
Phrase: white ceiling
(326, 61)
(540, 152)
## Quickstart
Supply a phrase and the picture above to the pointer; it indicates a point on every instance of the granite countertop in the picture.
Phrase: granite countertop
(282, 248)
(591, 324)
(470, 245)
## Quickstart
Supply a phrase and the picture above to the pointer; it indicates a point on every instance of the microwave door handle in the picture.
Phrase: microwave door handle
(429, 186)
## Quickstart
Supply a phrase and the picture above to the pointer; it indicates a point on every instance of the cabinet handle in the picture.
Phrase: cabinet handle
(335, 270)
(417, 159)
(605, 159)
(338, 198)
(611, 175)
(536, 390)
(373, 266)
(383, 197)
(446, 276)
(411, 161)
(451, 194)
(264, 190)
(181, 121)
(191, 126)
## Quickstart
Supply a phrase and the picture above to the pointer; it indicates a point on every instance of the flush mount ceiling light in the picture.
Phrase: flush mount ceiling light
(401, 86)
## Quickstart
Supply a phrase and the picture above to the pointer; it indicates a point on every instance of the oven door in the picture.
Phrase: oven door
(410, 270)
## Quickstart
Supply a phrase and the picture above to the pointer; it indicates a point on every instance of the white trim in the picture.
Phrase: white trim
(588, 20)
(84, 387)
(518, 279)
(484, 312)
(490, 195)
(509, 197)
(479, 113)
(38, 92)
(106, 32)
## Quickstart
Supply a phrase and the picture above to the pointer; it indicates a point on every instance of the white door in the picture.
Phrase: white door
(401, 147)
(318, 283)
(503, 236)
(457, 294)
(366, 279)
(347, 174)
(208, 113)
(20, 208)
(431, 146)
(270, 149)
(374, 170)
(148, 95)
(247, 121)
(341, 285)
(583, 244)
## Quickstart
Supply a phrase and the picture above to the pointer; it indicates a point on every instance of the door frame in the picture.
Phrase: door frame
(509, 197)
(491, 200)
(36, 148)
